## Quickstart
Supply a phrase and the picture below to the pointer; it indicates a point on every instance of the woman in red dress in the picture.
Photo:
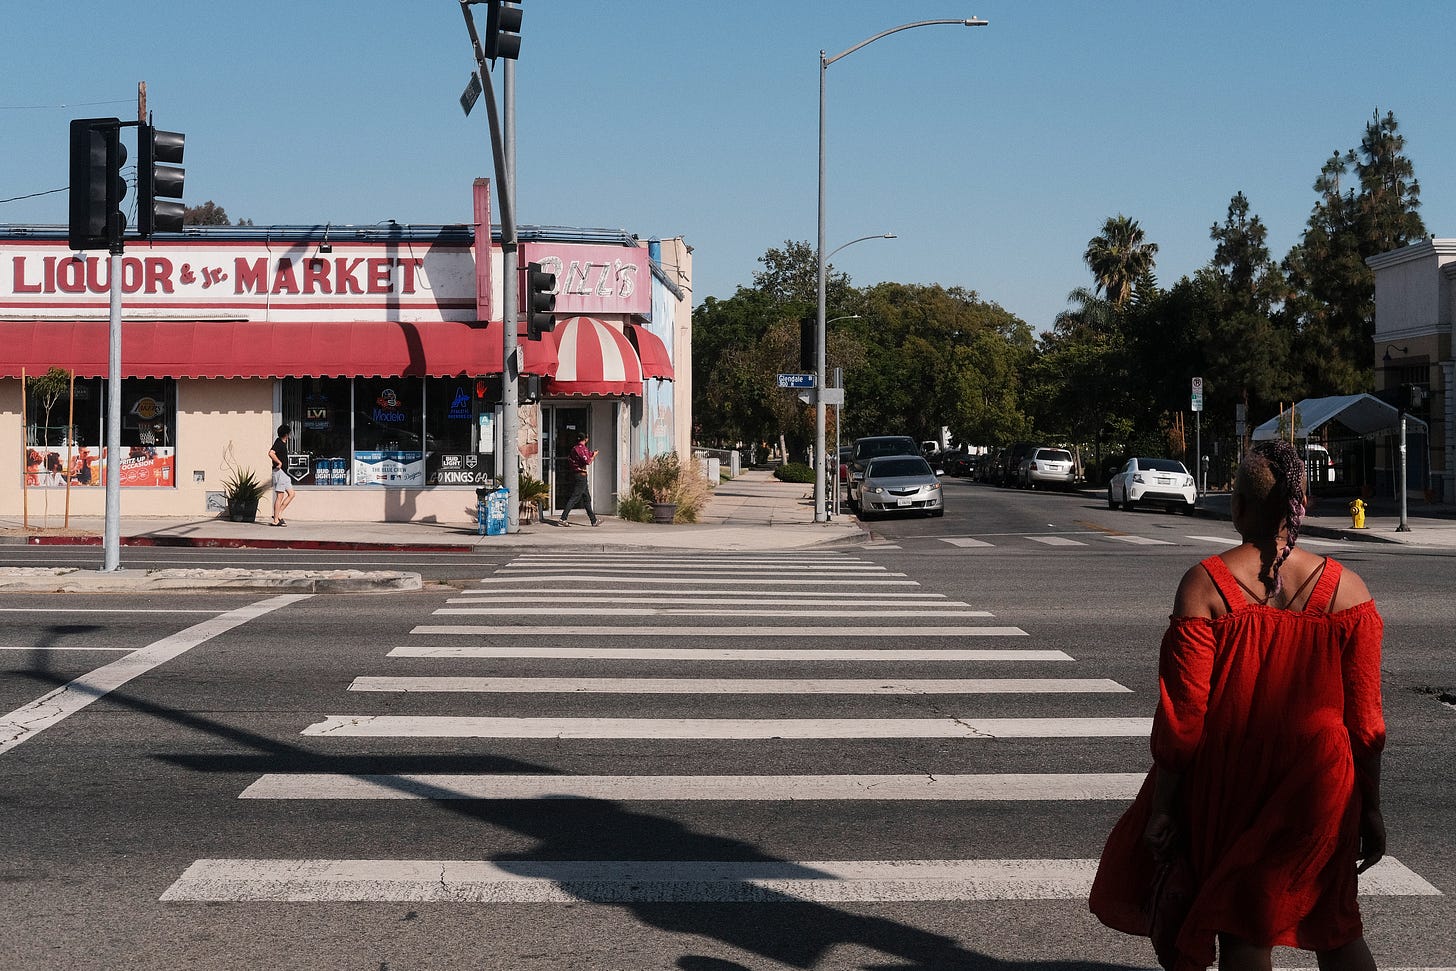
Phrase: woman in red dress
(1266, 747)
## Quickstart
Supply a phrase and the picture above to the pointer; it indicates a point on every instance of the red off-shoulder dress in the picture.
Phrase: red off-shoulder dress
(1264, 711)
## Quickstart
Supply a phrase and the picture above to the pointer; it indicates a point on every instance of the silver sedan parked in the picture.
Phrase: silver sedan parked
(900, 483)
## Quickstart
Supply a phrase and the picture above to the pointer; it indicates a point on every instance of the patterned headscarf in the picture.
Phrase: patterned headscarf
(1271, 477)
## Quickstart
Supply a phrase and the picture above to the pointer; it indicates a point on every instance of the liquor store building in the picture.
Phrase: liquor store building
(380, 347)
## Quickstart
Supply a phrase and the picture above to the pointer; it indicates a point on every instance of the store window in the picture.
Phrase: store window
(65, 433)
(391, 431)
(318, 409)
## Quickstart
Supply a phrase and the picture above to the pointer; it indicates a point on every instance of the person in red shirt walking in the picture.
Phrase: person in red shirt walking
(580, 459)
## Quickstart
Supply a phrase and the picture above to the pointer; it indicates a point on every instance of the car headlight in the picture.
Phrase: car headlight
(934, 487)
(876, 490)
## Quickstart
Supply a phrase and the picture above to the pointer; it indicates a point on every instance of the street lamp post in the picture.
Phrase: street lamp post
(839, 383)
(820, 512)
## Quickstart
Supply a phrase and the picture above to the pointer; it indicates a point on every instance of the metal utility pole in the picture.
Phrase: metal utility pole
(505, 193)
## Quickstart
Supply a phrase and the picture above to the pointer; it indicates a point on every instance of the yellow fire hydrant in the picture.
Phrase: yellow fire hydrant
(1357, 513)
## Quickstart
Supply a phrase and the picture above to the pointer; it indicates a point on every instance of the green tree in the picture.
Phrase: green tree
(1117, 257)
(209, 214)
(1367, 204)
(47, 389)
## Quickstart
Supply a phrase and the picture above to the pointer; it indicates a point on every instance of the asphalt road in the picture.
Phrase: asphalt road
(179, 772)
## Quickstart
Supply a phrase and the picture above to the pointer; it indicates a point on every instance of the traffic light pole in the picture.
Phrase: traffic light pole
(111, 540)
(505, 193)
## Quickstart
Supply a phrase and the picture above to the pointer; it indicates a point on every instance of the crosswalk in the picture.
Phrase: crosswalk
(787, 629)
(1090, 539)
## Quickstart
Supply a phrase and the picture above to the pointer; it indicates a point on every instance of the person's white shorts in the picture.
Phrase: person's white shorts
(281, 481)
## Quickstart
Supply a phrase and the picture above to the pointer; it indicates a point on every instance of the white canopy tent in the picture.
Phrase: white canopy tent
(1363, 414)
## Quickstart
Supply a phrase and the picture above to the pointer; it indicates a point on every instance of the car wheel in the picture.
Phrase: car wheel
(937, 513)
(1111, 502)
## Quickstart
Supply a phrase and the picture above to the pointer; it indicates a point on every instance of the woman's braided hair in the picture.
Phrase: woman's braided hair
(1271, 480)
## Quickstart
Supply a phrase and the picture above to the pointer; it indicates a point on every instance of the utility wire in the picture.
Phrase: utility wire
(79, 104)
(33, 195)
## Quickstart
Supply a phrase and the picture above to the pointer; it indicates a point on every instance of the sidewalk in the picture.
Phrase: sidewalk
(1432, 524)
(753, 512)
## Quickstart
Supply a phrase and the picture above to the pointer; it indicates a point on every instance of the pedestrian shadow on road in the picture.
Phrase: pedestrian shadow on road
(773, 926)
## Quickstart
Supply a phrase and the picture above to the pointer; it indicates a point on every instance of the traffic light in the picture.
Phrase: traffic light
(538, 298)
(97, 186)
(159, 180)
(502, 30)
(809, 345)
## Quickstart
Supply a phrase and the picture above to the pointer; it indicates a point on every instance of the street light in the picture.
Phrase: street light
(820, 513)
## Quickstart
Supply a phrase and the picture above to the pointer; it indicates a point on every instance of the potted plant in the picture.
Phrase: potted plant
(533, 493)
(675, 492)
(243, 490)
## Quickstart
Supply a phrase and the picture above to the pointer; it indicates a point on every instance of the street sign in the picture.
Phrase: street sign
(1197, 394)
(796, 380)
(830, 396)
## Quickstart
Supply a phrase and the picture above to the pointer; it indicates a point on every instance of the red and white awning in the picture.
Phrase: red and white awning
(651, 351)
(594, 358)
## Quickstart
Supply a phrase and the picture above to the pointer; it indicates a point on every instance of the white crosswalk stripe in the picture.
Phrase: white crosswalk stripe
(899, 655)
(1056, 540)
(1028, 787)
(675, 881)
(709, 686)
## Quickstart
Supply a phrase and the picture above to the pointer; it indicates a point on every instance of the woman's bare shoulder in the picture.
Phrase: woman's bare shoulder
(1351, 592)
(1197, 595)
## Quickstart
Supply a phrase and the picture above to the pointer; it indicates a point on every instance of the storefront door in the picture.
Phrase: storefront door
(560, 424)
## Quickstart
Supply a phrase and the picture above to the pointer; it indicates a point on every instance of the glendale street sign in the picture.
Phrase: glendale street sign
(796, 380)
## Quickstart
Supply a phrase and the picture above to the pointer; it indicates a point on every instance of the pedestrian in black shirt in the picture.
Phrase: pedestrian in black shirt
(282, 484)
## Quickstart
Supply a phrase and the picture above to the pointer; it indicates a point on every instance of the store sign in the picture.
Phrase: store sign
(140, 466)
(249, 281)
(595, 279)
(456, 468)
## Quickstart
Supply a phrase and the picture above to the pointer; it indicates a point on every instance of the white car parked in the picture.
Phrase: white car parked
(1153, 482)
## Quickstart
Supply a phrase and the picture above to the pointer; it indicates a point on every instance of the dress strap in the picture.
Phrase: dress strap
(1228, 586)
(1324, 588)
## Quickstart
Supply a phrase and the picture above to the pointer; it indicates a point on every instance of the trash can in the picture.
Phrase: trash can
(497, 512)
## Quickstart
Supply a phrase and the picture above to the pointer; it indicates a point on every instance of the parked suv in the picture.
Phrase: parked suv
(872, 447)
(1048, 467)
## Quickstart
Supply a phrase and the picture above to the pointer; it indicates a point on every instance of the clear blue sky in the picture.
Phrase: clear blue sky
(994, 152)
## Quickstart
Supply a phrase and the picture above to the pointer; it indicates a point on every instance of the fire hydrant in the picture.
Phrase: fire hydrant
(1357, 513)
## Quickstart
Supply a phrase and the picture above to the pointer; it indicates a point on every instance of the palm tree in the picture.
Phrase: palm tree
(1118, 256)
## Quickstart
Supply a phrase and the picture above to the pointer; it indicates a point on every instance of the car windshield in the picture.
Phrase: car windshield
(1054, 454)
(1162, 465)
(895, 468)
(885, 446)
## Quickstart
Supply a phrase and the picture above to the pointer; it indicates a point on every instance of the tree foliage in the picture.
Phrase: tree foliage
(209, 214)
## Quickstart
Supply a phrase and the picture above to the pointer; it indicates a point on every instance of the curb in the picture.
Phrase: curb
(205, 542)
(64, 580)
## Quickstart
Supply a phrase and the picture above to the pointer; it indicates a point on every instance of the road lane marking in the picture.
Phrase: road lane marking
(751, 598)
(1221, 540)
(659, 881)
(487, 726)
(638, 581)
(1056, 541)
(120, 650)
(767, 632)
(755, 686)
(964, 541)
(107, 610)
(679, 570)
(728, 654)
(27, 721)
(572, 610)
(986, 787)
(1142, 540)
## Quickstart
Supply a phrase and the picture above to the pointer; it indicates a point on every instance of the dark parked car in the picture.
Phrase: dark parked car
(872, 447)
(1008, 463)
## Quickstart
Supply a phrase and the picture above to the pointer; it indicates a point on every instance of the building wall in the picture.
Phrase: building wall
(1415, 305)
